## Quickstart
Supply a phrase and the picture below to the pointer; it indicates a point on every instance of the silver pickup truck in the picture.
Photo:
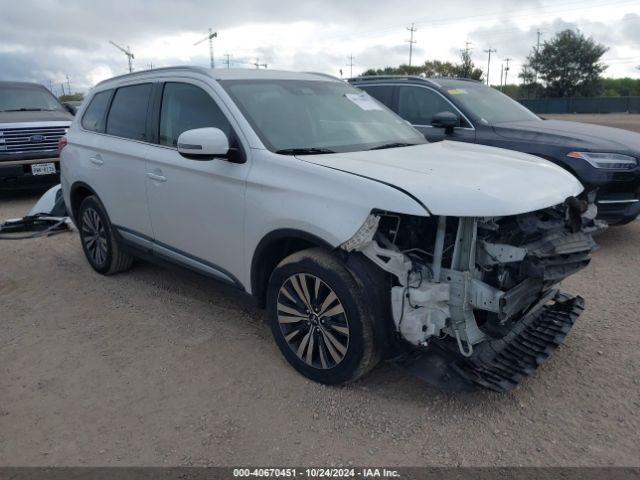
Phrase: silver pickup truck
(32, 121)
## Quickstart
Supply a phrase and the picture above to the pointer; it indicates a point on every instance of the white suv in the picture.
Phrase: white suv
(363, 241)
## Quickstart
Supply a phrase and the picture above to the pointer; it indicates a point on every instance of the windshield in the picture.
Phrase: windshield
(19, 98)
(307, 117)
(488, 104)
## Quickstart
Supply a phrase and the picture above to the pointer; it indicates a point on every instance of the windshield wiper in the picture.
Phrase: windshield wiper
(304, 151)
(25, 110)
(393, 145)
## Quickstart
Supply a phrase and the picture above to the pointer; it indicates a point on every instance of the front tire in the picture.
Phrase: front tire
(321, 319)
(99, 243)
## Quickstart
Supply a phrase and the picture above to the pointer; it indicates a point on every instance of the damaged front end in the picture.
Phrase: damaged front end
(475, 301)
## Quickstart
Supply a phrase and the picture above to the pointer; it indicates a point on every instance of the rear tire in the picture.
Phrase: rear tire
(321, 319)
(100, 245)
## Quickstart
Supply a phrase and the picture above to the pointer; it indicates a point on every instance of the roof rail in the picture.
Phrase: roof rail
(327, 75)
(190, 68)
(368, 78)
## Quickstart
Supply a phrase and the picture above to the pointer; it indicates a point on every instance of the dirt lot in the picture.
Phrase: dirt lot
(618, 120)
(161, 367)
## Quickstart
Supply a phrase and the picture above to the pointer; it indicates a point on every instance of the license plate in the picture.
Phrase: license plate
(43, 168)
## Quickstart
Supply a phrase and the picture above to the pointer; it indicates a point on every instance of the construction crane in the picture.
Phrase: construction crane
(209, 37)
(127, 52)
(257, 64)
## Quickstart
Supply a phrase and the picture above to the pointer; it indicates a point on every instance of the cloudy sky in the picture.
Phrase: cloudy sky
(46, 40)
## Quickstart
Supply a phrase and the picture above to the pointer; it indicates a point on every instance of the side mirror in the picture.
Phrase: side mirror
(70, 108)
(203, 144)
(446, 120)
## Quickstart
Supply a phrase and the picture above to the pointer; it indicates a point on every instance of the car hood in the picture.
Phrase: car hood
(461, 179)
(20, 117)
(571, 134)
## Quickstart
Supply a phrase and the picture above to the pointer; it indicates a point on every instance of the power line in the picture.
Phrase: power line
(520, 12)
(489, 51)
(411, 41)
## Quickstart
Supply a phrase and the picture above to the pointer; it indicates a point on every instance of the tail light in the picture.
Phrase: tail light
(61, 144)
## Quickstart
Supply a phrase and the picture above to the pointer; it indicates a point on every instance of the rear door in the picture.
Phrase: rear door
(196, 206)
(119, 159)
(418, 104)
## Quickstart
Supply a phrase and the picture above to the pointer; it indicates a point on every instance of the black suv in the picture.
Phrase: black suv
(468, 111)
(32, 121)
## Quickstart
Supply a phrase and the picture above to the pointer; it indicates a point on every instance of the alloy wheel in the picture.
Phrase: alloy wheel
(94, 236)
(313, 321)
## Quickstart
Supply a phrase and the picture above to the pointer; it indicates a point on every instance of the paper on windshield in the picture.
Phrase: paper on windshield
(457, 91)
(364, 101)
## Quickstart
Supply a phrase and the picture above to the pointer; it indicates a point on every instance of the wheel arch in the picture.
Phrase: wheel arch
(272, 249)
(77, 193)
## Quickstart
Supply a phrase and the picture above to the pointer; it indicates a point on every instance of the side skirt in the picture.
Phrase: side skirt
(144, 247)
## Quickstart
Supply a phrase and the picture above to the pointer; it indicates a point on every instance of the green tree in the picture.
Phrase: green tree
(433, 68)
(466, 68)
(569, 65)
(71, 97)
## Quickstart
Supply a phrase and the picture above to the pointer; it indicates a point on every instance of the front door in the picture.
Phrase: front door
(196, 206)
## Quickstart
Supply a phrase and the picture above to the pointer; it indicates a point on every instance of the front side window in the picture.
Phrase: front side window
(418, 105)
(185, 107)
(317, 116)
(30, 98)
(128, 113)
(93, 117)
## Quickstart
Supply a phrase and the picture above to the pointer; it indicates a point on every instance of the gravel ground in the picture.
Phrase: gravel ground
(158, 366)
(618, 120)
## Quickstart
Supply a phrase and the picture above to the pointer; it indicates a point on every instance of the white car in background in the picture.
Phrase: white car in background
(363, 241)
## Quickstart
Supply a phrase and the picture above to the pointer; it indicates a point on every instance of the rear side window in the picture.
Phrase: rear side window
(128, 113)
(185, 107)
(93, 118)
(382, 93)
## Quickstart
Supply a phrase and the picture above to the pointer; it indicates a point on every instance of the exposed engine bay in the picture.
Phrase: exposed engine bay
(474, 288)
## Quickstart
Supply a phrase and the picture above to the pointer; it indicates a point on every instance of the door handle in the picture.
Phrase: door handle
(96, 159)
(156, 177)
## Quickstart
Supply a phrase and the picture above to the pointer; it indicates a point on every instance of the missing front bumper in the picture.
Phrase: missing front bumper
(499, 364)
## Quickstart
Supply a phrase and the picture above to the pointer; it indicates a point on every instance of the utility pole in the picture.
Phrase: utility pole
(501, 73)
(209, 37)
(350, 58)
(50, 86)
(489, 51)
(68, 85)
(62, 88)
(127, 51)
(539, 34)
(506, 70)
(227, 60)
(411, 41)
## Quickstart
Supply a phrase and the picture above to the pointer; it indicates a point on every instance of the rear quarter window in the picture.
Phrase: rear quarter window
(128, 113)
(93, 118)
